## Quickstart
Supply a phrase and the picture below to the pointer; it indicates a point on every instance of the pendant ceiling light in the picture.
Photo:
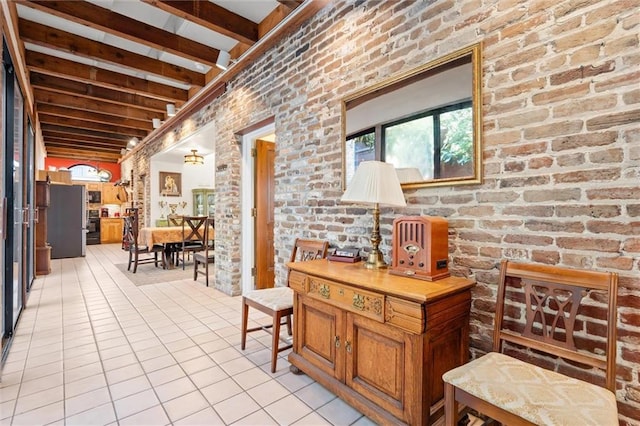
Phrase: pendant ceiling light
(193, 158)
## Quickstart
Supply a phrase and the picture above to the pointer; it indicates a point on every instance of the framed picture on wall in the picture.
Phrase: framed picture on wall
(170, 184)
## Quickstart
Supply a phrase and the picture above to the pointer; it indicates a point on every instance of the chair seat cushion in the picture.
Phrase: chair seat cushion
(201, 256)
(541, 396)
(273, 298)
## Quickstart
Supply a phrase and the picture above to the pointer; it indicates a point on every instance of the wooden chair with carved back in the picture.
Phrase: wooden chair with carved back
(277, 302)
(130, 240)
(556, 317)
(207, 255)
(193, 231)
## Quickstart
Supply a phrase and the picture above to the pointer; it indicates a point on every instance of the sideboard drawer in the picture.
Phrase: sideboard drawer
(365, 303)
(298, 281)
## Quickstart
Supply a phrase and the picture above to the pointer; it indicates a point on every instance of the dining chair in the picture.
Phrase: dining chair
(135, 250)
(129, 211)
(193, 228)
(277, 302)
(544, 315)
(207, 255)
(174, 220)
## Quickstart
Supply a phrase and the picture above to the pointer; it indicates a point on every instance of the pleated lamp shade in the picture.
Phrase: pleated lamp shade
(375, 182)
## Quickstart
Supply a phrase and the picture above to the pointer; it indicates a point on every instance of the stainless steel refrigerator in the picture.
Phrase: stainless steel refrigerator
(66, 221)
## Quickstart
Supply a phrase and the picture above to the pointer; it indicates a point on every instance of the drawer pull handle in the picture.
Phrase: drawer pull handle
(324, 291)
(347, 346)
(337, 341)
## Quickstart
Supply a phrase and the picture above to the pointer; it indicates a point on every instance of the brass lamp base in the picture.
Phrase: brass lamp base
(375, 261)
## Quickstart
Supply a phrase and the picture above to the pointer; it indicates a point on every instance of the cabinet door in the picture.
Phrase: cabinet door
(379, 366)
(211, 206)
(321, 336)
(198, 202)
(110, 194)
(111, 231)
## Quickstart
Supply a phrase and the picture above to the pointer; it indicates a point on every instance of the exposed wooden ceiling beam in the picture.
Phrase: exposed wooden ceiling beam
(54, 66)
(90, 125)
(102, 94)
(89, 104)
(60, 111)
(128, 28)
(43, 35)
(83, 132)
(93, 144)
(70, 144)
(211, 16)
(291, 4)
(82, 154)
(58, 132)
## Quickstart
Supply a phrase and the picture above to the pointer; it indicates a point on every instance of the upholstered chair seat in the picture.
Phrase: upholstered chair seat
(533, 393)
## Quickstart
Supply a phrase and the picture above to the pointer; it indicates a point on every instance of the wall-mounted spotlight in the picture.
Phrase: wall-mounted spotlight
(171, 110)
(156, 123)
(223, 60)
(132, 143)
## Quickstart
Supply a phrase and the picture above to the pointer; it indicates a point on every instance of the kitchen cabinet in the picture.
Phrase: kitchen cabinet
(111, 230)
(93, 186)
(60, 176)
(110, 194)
(381, 342)
(203, 202)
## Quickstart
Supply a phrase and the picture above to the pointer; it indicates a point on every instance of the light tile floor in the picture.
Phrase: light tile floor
(93, 349)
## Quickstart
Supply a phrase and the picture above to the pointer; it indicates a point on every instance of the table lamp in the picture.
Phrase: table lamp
(375, 183)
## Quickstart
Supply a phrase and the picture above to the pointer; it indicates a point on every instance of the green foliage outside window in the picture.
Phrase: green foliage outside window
(457, 137)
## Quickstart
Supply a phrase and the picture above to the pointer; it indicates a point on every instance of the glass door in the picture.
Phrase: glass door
(19, 219)
(13, 271)
(3, 206)
(32, 210)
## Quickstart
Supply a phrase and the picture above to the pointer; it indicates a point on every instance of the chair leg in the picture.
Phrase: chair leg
(195, 269)
(245, 321)
(130, 260)
(135, 262)
(155, 258)
(275, 340)
(450, 405)
(288, 319)
(206, 272)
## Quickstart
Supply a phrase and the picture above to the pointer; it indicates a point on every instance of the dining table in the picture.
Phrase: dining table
(170, 237)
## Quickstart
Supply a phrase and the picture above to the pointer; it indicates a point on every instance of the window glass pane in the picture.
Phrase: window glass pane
(84, 172)
(456, 152)
(410, 145)
(360, 148)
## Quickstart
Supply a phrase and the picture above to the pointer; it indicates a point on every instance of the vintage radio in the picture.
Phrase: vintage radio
(420, 247)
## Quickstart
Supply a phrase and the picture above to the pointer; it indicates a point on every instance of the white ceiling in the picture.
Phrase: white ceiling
(203, 141)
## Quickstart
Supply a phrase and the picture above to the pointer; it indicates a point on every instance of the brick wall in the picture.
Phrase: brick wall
(561, 107)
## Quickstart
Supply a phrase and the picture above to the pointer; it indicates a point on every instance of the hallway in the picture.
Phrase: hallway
(93, 348)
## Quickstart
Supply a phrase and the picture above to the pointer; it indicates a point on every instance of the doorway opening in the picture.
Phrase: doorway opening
(249, 204)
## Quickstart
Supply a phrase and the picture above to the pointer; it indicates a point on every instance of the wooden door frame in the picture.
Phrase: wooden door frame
(247, 173)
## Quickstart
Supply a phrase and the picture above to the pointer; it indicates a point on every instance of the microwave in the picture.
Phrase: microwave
(94, 197)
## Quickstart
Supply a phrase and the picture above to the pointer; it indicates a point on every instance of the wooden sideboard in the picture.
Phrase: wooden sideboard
(380, 342)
